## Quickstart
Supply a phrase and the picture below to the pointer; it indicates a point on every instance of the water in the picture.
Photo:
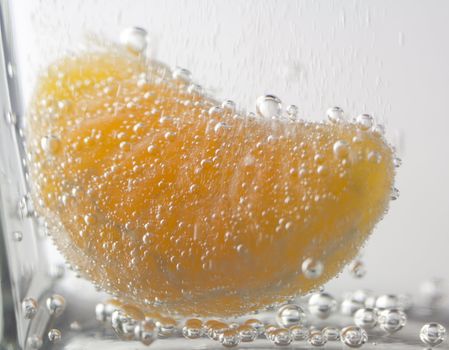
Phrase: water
(130, 328)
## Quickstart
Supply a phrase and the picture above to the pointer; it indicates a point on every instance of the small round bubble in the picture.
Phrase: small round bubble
(145, 331)
(134, 39)
(353, 336)
(331, 333)
(290, 315)
(54, 335)
(229, 338)
(335, 114)
(364, 121)
(29, 307)
(322, 305)
(392, 320)
(432, 334)
(34, 342)
(366, 318)
(268, 106)
(299, 332)
(312, 268)
(317, 338)
(55, 305)
(258, 325)
(247, 333)
(281, 337)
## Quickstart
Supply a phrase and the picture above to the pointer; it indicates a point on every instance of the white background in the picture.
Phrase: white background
(387, 58)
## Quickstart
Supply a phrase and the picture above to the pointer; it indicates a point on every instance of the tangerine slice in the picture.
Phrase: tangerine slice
(176, 205)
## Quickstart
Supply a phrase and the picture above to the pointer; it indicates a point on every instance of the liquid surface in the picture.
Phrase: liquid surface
(175, 203)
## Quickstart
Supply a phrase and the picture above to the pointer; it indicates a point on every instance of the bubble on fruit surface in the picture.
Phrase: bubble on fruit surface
(229, 338)
(268, 106)
(145, 332)
(335, 114)
(54, 335)
(55, 305)
(17, 236)
(353, 336)
(340, 149)
(364, 121)
(317, 338)
(392, 320)
(34, 342)
(432, 334)
(312, 268)
(397, 162)
(50, 144)
(357, 269)
(290, 315)
(123, 325)
(322, 305)
(182, 74)
(29, 308)
(193, 328)
(281, 337)
(387, 301)
(258, 325)
(292, 111)
(366, 318)
(331, 333)
(299, 332)
(394, 194)
(135, 39)
(228, 106)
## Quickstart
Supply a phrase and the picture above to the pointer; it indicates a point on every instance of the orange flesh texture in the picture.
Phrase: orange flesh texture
(148, 196)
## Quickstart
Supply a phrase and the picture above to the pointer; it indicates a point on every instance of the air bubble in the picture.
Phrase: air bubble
(353, 336)
(364, 121)
(392, 320)
(268, 106)
(335, 114)
(290, 315)
(366, 318)
(387, 301)
(55, 305)
(228, 106)
(299, 332)
(193, 328)
(257, 325)
(394, 194)
(54, 335)
(281, 337)
(317, 338)
(135, 39)
(123, 325)
(357, 269)
(322, 305)
(145, 332)
(230, 338)
(292, 111)
(432, 334)
(247, 333)
(29, 307)
(341, 149)
(312, 268)
(17, 236)
(182, 74)
(331, 333)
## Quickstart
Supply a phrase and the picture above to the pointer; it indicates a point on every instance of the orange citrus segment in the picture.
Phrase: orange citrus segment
(176, 206)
